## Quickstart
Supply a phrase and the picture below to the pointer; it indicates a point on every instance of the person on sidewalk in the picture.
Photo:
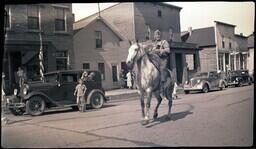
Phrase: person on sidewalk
(122, 79)
(129, 79)
(79, 93)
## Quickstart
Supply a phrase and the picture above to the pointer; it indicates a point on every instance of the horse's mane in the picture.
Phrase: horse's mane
(153, 58)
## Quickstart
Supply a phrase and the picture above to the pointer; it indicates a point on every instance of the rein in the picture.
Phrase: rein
(149, 58)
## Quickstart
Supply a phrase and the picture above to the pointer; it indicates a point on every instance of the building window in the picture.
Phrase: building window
(221, 62)
(6, 18)
(148, 32)
(223, 44)
(114, 73)
(61, 60)
(86, 65)
(244, 61)
(33, 17)
(60, 23)
(190, 61)
(98, 38)
(226, 58)
(232, 62)
(101, 68)
(230, 46)
(159, 13)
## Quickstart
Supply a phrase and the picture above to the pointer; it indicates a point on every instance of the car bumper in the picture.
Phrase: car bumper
(15, 102)
(233, 83)
(193, 88)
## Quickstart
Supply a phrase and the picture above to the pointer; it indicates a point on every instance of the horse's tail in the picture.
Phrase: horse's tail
(169, 85)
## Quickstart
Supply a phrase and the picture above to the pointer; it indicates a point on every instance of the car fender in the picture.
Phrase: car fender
(93, 91)
(35, 93)
(206, 82)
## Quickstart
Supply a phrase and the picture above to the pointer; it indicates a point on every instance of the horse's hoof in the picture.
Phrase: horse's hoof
(155, 116)
(144, 122)
(168, 117)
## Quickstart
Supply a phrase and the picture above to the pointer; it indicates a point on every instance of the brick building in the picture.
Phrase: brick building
(138, 21)
(220, 48)
(23, 25)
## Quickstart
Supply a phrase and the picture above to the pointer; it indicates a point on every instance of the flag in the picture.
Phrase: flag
(41, 56)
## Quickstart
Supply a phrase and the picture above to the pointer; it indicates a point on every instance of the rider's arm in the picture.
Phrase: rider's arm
(165, 49)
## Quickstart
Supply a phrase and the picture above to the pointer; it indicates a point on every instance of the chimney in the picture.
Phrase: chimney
(190, 30)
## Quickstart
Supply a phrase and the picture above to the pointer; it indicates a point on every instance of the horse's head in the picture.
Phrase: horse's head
(132, 55)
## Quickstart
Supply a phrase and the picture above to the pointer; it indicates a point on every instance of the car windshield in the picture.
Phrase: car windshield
(51, 77)
(202, 74)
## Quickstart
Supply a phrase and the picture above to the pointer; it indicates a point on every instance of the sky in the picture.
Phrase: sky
(195, 14)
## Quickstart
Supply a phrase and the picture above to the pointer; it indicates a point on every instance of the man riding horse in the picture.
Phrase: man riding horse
(162, 49)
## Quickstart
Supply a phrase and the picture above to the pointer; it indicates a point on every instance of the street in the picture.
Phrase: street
(217, 118)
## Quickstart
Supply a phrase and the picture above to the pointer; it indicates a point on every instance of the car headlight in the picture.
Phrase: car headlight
(198, 81)
(25, 91)
(15, 92)
(237, 79)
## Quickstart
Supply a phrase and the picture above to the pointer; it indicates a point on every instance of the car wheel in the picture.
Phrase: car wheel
(74, 108)
(205, 88)
(186, 92)
(16, 112)
(97, 99)
(36, 105)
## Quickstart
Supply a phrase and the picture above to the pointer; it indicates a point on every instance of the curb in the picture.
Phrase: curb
(130, 95)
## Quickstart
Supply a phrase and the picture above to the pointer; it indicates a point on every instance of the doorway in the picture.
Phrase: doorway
(179, 67)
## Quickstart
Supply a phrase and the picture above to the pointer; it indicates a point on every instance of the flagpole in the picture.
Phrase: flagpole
(99, 9)
(41, 66)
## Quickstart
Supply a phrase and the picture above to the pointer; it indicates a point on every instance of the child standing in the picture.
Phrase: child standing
(79, 92)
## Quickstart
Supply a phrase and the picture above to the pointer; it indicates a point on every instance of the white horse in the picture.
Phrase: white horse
(149, 79)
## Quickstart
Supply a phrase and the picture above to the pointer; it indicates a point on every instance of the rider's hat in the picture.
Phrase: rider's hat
(157, 32)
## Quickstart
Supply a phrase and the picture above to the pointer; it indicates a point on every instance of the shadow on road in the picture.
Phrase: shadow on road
(164, 118)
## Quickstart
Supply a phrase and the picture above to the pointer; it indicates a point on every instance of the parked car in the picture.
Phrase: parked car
(238, 78)
(205, 81)
(56, 90)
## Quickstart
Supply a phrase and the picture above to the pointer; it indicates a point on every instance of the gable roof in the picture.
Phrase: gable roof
(104, 22)
(203, 37)
(225, 23)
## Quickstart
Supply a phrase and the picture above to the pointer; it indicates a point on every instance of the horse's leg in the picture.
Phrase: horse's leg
(169, 91)
(159, 100)
(142, 104)
(149, 95)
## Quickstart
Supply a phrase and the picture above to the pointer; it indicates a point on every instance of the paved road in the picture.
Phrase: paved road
(218, 118)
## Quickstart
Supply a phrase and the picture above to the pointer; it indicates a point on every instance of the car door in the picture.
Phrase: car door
(53, 90)
(212, 79)
(67, 87)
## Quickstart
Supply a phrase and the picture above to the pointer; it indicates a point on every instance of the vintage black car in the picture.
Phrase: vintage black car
(56, 90)
(205, 81)
(238, 78)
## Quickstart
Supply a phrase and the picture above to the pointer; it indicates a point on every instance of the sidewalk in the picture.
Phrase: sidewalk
(128, 93)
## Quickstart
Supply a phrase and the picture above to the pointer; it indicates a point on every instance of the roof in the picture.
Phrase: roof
(104, 22)
(203, 37)
(225, 23)
(168, 5)
(80, 23)
(240, 36)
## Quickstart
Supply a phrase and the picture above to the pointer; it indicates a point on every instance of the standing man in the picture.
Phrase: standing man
(162, 49)
(21, 76)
